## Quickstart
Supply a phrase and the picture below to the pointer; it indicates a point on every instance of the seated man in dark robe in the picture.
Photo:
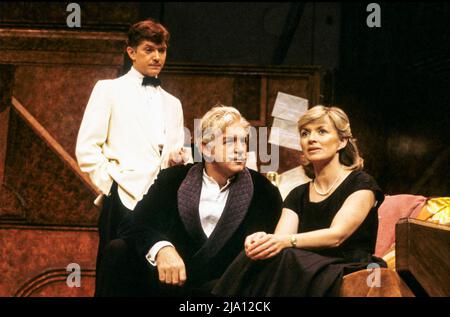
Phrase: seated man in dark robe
(193, 222)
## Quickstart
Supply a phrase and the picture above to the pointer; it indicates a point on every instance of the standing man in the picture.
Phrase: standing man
(131, 129)
(193, 222)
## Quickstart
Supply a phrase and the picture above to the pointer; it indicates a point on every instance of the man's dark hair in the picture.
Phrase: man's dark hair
(147, 30)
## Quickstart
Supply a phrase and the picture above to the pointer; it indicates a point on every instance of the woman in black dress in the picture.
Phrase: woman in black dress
(328, 226)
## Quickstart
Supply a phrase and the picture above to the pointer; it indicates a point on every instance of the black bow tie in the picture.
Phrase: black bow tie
(152, 81)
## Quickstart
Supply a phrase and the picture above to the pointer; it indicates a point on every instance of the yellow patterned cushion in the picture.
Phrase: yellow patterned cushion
(438, 210)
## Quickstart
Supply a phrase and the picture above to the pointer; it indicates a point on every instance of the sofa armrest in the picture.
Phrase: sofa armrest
(423, 256)
(390, 285)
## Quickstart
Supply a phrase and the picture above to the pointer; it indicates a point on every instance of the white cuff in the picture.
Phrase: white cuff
(151, 255)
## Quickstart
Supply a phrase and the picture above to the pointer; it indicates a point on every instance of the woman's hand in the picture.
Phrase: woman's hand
(253, 238)
(266, 246)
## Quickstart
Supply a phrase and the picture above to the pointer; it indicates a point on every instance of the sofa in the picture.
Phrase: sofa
(391, 284)
(393, 245)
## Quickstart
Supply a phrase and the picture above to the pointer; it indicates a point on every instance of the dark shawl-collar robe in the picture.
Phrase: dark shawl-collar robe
(170, 212)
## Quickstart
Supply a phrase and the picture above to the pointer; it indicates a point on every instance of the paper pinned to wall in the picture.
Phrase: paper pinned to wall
(285, 133)
(289, 107)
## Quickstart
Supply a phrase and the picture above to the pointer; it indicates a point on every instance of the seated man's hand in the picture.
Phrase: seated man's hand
(178, 157)
(170, 265)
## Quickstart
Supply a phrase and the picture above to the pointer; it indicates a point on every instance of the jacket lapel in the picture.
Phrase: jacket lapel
(169, 118)
(188, 196)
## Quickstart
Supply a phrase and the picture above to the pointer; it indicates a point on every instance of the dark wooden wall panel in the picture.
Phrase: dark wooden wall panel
(48, 188)
(253, 90)
(50, 73)
(56, 95)
(198, 92)
(55, 72)
(34, 259)
(6, 87)
(95, 15)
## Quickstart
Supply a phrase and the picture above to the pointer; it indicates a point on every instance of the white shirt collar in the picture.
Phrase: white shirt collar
(137, 76)
(211, 181)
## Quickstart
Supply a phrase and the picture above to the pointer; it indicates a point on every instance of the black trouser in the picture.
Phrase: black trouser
(111, 215)
(126, 274)
(123, 273)
(120, 271)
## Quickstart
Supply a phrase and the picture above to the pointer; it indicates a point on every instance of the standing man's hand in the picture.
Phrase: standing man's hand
(171, 268)
(178, 157)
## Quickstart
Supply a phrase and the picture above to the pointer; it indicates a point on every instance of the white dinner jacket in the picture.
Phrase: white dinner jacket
(115, 140)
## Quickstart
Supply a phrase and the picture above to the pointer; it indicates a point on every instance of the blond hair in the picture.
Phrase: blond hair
(217, 120)
(349, 155)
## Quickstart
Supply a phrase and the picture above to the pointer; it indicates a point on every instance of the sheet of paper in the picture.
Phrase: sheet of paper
(285, 133)
(289, 107)
(291, 179)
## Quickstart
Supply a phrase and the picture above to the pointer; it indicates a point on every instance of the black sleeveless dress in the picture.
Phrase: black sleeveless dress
(298, 272)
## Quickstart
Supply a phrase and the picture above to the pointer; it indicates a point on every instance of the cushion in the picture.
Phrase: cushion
(390, 212)
(436, 210)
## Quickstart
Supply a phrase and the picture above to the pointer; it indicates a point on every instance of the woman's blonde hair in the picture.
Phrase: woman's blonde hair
(215, 122)
(349, 155)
